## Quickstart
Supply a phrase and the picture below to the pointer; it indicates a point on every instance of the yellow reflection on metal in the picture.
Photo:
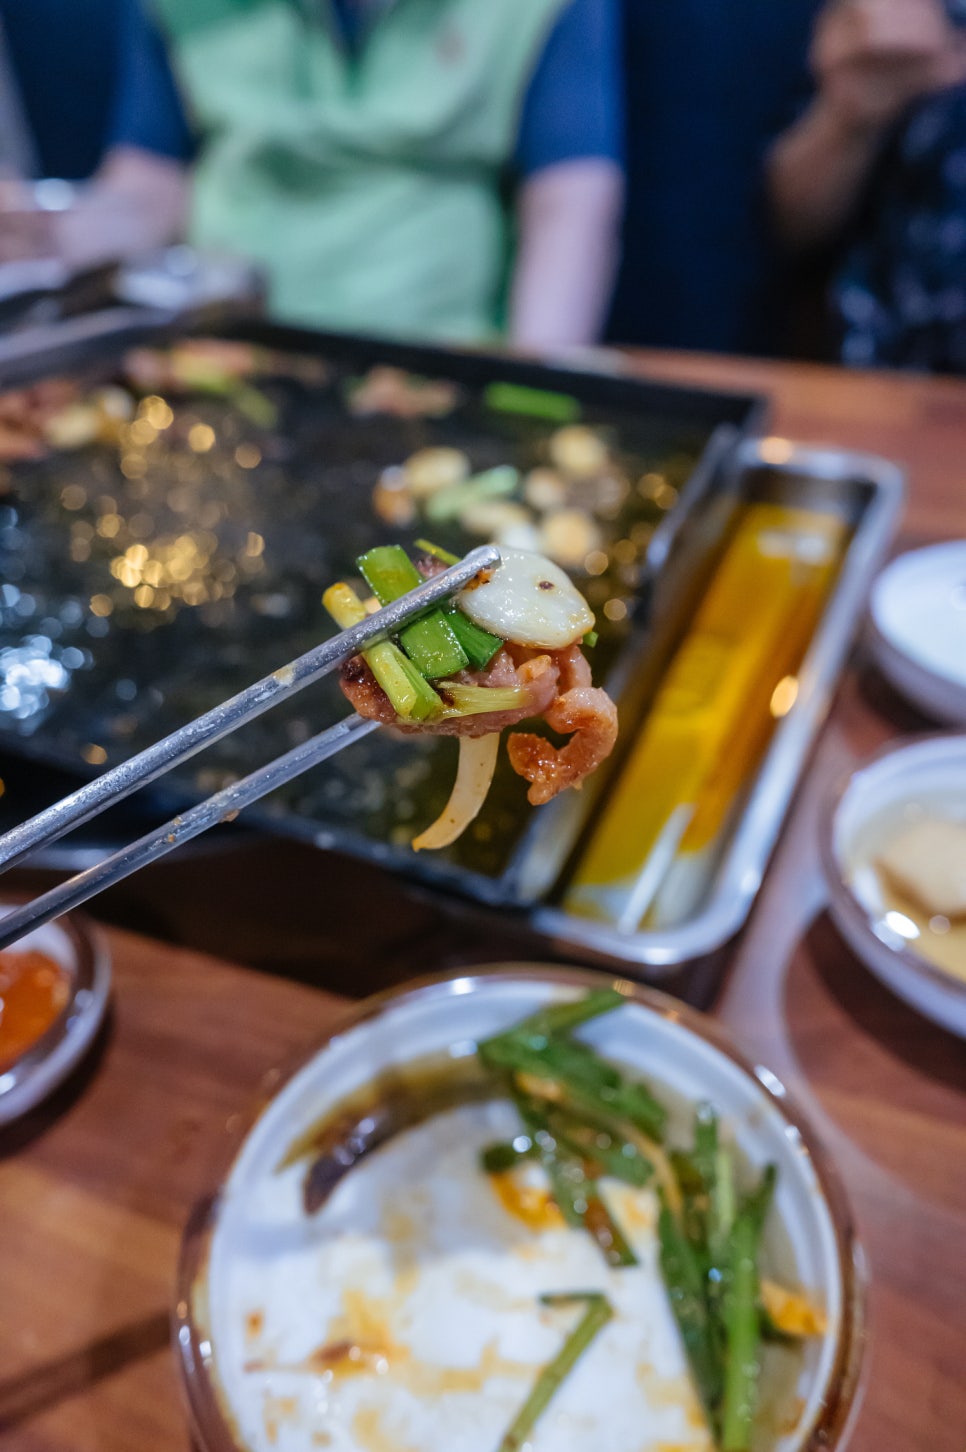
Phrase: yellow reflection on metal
(732, 676)
(775, 450)
(784, 696)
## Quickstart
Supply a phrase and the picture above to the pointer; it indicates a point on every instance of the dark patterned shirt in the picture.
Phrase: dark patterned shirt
(900, 298)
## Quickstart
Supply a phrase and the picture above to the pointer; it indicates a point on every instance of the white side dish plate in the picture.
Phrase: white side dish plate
(36, 1074)
(414, 1227)
(900, 786)
(918, 608)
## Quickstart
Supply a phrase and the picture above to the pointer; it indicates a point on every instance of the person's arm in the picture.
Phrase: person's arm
(137, 200)
(569, 157)
(871, 59)
(138, 197)
(569, 221)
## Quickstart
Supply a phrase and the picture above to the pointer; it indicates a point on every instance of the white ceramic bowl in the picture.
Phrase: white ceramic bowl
(809, 1233)
(931, 770)
(75, 946)
(918, 615)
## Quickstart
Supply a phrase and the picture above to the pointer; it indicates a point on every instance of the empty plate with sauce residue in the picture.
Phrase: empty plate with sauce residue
(918, 608)
(54, 987)
(894, 849)
(358, 1283)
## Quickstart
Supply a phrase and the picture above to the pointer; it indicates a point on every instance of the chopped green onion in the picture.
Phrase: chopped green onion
(437, 552)
(567, 1180)
(705, 1142)
(586, 1082)
(256, 406)
(450, 502)
(574, 1190)
(741, 1314)
(596, 1316)
(698, 1204)
(599, 1144)
(590, 639)
(536, 402)
(605, 1230)
(429, 642)
(685, 1287)
(758, 1203)
(721, 1210)
(479, 644)
(389, 572)
(496, 1159)
(202, 375)
(686, 1172)
(579, 1115)
(561, 1018)
(743, 1335)
(410, 696)
(478, 700)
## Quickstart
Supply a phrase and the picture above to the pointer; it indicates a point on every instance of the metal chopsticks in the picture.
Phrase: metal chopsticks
(114, 785)
(224, 806)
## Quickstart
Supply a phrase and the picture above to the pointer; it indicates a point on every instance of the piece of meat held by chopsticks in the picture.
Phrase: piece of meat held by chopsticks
(508, 650)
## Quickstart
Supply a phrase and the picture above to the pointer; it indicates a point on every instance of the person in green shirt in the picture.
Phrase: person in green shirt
(437, 168)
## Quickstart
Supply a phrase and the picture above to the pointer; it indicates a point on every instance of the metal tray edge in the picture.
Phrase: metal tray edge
(746, 859)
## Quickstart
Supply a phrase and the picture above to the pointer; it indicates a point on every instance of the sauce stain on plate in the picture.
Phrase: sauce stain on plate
(34, 990)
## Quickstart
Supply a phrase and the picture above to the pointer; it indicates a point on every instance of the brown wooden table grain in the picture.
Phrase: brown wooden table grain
(94, 1189)
(95, 1186)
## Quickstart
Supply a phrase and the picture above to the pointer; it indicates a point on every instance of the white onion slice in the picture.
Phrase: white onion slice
(530, 601)
(477, 763)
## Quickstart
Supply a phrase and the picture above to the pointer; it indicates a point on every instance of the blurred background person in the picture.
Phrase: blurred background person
(710, 85)
(875, 169)
(87, 96)
(450, 169)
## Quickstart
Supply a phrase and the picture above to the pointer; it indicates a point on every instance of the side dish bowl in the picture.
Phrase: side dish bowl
(923, 777)
(79, 952)
(683, 1056)
(918, 625)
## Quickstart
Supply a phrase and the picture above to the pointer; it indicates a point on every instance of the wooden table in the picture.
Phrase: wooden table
(94, 1190)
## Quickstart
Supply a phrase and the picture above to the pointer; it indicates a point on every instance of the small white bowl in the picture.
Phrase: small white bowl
(76, 947)
(930, 771)
(680, 1052)
(918, 614)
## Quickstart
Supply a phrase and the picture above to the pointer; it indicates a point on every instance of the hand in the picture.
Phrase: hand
(25, 232)
(136, 201)
(873, 57)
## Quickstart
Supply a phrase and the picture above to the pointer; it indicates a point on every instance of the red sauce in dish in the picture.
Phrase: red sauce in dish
(33, 991)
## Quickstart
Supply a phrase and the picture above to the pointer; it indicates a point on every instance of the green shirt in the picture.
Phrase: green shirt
(369, 185)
